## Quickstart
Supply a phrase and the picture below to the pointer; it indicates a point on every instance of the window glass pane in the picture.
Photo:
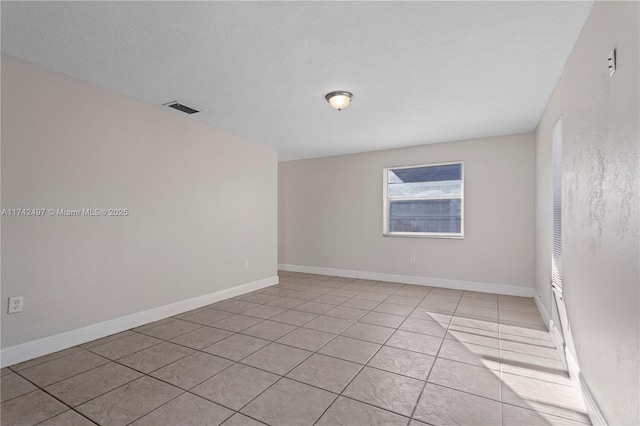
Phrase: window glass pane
(425, 199)
(441, 216)
(425, 182)
(427, 173)
(442, 188)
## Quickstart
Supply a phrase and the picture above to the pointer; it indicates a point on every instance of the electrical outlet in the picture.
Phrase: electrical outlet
(246, 263)
(412, 258)
(15, 305)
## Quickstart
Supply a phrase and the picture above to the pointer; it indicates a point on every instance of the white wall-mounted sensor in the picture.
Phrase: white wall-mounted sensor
(612, 62)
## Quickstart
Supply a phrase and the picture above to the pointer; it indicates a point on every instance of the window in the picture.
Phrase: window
(424, 201)
(556, 254)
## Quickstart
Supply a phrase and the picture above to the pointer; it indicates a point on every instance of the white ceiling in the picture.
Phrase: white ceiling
(421, 72)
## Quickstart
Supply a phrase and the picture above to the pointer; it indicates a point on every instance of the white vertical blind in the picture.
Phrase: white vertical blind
(556, 257)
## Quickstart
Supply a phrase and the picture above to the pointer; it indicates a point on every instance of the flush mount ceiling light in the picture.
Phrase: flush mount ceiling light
(339, 100)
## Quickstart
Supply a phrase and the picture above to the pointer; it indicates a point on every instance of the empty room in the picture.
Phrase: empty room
(320, 213)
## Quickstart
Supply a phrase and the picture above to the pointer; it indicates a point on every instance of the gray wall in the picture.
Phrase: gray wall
(601, 186)
(330, 213)
(200, 199)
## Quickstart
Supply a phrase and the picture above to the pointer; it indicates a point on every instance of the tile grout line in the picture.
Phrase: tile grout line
(240, 361)
(352, 322)
(365, 365)
(426, 380)
(313, 353)
(74, 408)
(281, 376)
(359, 371)
(66, 378)
(143, 373)
(38, 388)
(234, 363)
(116, 361)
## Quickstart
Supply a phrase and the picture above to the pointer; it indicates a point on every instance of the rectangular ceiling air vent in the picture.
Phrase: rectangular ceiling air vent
(182, 108)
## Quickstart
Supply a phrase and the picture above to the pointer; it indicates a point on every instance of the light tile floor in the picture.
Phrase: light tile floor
(311, 350)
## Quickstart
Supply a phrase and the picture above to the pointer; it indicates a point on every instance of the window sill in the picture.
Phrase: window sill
(423, 235)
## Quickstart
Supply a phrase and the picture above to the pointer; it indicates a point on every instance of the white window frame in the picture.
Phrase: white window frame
(386, 200)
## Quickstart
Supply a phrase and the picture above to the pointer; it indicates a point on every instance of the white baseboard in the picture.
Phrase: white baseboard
(574, 370)
(543, 310)
(35, 348)
(595, 414)
(510, 290)
(577, 379)
(556, 336)
(561, 347)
